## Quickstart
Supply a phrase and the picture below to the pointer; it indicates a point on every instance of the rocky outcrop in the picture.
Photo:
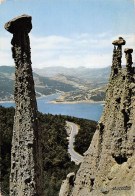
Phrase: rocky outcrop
(108, 166)
(67, 185)
(26, 162)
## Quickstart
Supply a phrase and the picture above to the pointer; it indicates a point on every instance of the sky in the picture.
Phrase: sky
(70, 33)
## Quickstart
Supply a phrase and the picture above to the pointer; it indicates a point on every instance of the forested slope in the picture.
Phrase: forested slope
(56, 160)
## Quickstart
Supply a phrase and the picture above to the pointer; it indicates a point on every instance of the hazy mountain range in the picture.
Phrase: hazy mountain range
(50, 80)
(91, 74)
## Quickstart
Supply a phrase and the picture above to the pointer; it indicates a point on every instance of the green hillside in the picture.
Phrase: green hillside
(76, 84)
(48, 86)
(92, 74)
(56, 160)
(43, 85)
(6, 88)
(7, 69)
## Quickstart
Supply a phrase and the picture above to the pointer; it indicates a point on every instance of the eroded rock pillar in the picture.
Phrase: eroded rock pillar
(117, 55)
(108, 163)
(128, 55)
(26, 162)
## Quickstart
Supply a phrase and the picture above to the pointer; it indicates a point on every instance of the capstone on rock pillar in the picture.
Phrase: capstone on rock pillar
(117, 55)
(128, 55)
(26, 162)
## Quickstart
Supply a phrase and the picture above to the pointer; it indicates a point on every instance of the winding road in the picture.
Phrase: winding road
(76, 157)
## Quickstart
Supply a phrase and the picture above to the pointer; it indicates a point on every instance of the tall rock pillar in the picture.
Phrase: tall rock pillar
(26, 162)
(117, 55)
(128, 55)
(108, 167)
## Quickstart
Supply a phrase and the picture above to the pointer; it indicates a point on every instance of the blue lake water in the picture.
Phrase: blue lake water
(90, 111)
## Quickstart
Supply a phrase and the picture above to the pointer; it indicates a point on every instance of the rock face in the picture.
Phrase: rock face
(109, 163)
(67, 185)
(26, 162)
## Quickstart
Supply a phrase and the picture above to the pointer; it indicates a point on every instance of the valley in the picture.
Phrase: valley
(74, 84)
(56, 159)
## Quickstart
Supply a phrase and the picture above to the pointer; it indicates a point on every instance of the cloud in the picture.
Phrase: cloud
(6, 58)
(78, 50)
(2, 1)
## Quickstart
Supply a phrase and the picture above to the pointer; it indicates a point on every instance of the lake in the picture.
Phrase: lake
(91, 111)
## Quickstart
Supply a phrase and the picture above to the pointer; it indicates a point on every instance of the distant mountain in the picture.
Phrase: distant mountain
(47, 86)
(91, 74)
(77, 83)
(53, 71)
(67, 79)
(7, 69)
(43, 85)
(91, 82)
(6, 88)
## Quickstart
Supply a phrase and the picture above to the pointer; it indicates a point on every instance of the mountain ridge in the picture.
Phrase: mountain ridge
(43, 85)
(58, 83)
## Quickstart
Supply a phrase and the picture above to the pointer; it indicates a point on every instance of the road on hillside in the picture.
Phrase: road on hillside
(76, 157)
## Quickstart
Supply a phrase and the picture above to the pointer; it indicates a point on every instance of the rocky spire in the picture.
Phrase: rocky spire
(26, 162)
(128, 55)
(108, 166)
(117, 54)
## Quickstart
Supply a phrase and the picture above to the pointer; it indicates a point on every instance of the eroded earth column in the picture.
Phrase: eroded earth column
(26, 162)
(108, 167)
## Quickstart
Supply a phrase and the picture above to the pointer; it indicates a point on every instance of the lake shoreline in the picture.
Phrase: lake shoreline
(75, 102)
(58, 102)
(11, 101)
(90, 111)
(37, 98)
